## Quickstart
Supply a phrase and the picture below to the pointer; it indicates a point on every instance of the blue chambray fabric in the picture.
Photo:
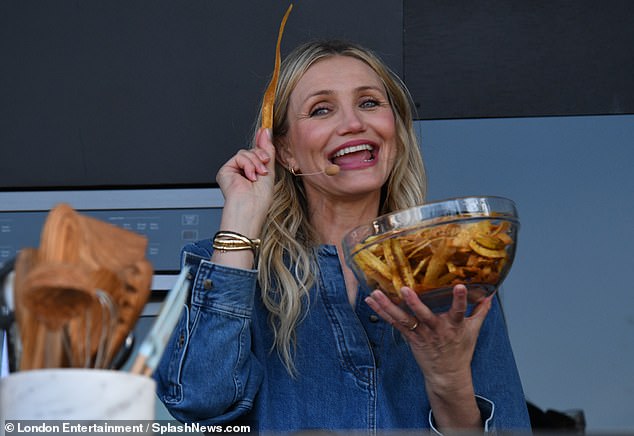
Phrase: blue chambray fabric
(354, 370)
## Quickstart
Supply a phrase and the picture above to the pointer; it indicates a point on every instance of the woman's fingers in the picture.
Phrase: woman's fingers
(251, 163)
(391, 313)
(264, 146)
(458, 307)
(480, 311)
(264, 140)
(420, 310)
(421, 314)
(405, 321)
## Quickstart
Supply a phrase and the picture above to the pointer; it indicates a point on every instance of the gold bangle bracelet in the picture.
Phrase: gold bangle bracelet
(225, 240)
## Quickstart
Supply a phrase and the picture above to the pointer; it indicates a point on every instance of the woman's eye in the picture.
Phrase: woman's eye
(369, 103)
(321, 110)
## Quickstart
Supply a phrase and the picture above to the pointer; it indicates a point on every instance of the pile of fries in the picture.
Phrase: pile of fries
(475, 253)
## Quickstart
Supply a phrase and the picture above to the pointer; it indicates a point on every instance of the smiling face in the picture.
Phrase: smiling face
(339, 113)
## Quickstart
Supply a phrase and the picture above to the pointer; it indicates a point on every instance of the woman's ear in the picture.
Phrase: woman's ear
(284, 155)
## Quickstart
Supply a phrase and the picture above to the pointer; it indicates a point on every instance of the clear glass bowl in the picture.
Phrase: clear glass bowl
(433, 247)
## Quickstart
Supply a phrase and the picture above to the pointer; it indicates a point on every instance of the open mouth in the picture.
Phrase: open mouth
(362, 153)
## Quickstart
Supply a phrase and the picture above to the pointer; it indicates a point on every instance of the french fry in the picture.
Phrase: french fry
(422, 264)
(368, 261)
(269, 95)
(487, 241)
(378, 274)
(402, 263)
(486, 252)
(397, 281)
(443, 251)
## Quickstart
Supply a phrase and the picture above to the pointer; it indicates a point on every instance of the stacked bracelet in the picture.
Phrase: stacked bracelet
(231, 241)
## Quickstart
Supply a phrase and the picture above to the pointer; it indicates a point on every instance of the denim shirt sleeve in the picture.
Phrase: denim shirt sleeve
(208, 373)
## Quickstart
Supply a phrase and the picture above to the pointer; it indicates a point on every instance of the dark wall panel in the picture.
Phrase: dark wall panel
(160, 92)
(507, 58)
(143, 93)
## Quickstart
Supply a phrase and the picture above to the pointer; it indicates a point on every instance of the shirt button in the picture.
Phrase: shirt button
(374, 318)
(208, 284)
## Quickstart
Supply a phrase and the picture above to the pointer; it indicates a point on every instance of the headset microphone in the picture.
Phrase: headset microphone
(330, 170)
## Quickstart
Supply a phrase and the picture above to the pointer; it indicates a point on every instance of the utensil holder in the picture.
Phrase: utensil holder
(77, 394)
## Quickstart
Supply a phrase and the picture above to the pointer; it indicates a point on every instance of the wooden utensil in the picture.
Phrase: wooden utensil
(87, 279)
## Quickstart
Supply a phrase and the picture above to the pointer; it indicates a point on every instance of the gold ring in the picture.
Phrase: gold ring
(413, 327)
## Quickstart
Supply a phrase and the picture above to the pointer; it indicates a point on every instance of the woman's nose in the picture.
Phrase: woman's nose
(351, 121)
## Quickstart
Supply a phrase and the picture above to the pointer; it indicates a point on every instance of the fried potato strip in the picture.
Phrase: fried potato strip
(269, 95)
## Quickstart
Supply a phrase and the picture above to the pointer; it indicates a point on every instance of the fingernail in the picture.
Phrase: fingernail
(375, 297)
(269, 134)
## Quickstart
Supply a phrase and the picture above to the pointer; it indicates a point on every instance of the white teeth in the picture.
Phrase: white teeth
(353, 149)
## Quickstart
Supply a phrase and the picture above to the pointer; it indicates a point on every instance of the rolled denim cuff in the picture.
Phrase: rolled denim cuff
(487, 408)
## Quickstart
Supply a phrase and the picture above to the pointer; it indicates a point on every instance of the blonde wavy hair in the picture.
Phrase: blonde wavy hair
(287, 260)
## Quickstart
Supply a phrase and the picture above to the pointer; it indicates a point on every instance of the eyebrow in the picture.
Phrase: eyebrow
(357, 89)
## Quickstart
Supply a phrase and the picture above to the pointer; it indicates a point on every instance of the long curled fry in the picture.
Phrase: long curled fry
(269, 94)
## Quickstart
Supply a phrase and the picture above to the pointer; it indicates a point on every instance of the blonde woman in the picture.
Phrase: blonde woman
(278, 332)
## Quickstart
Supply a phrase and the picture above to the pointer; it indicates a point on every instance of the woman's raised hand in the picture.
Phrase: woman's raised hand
(246, 181)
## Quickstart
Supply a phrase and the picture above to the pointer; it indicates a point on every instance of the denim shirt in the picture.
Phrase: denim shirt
(354, 371)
